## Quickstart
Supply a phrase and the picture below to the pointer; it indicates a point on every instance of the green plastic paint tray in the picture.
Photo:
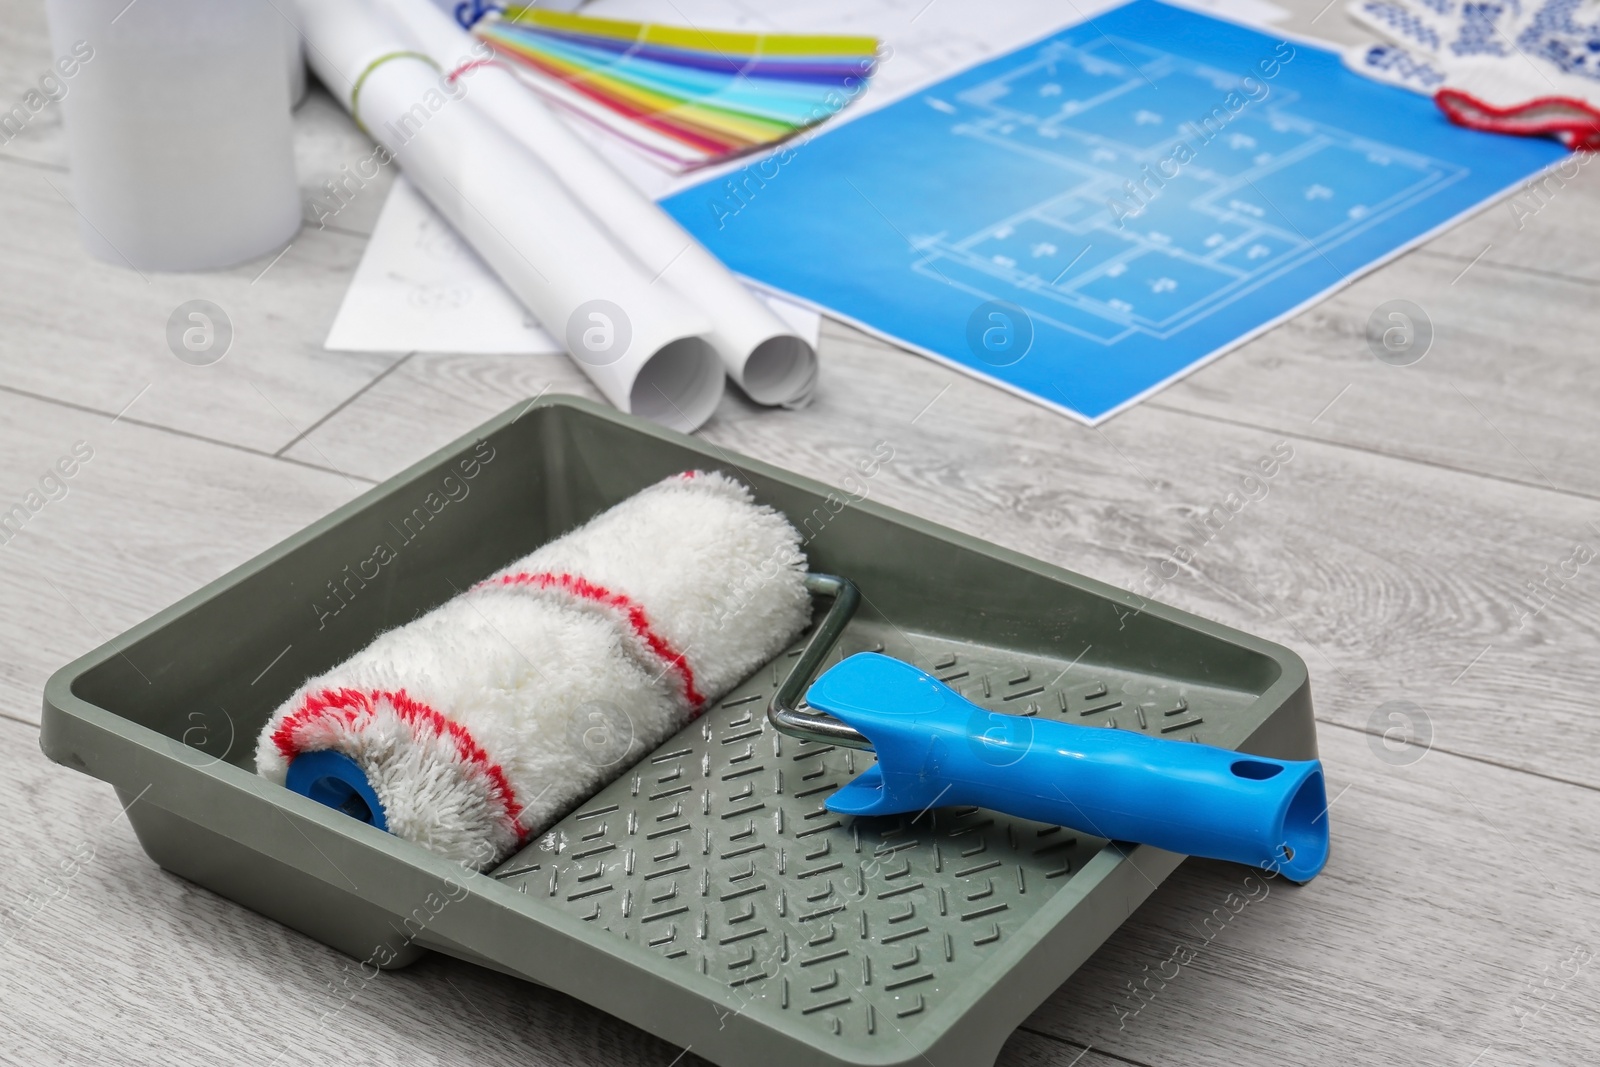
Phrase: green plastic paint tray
(707, 895)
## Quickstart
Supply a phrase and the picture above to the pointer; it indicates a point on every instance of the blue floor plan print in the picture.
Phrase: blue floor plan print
(1127, 198)
(1105, 263)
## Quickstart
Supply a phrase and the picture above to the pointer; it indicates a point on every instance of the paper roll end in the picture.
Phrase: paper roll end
(781, 370)
(680, 386)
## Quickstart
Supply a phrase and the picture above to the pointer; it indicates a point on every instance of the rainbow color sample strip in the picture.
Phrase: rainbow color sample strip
(688, 97)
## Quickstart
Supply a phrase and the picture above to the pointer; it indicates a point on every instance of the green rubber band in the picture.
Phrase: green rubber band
(361, 79)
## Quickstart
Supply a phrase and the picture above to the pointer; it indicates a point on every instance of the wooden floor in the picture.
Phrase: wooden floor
(1456, 922)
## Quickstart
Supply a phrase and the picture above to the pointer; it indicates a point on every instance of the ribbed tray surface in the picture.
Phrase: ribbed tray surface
(716, 851)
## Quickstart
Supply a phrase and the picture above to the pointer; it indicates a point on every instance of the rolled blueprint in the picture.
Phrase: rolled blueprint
(478, 725)
(762, 354)
(641, 343)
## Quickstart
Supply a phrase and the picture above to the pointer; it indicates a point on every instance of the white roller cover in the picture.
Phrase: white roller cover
(484, 721)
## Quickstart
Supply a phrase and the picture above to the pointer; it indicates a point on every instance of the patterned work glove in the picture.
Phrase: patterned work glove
(1529, 67)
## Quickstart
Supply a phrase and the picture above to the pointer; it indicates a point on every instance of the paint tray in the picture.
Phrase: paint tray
(707, 895)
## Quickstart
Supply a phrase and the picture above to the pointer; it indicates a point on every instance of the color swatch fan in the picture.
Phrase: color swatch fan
(687, 97)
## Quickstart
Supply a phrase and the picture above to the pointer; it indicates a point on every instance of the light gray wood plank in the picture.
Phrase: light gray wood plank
(1453, 925)
(329, 147)
(95, 334)
(1026, 1048)
(147, 520)
(1318, 20)
(1506, 388)
(1547, 226)
(25, 57)
(431, 400)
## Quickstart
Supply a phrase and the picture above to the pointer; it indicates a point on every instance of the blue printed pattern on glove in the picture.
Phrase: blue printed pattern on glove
(1505, 54)
(1556, 34)
(1394, 64)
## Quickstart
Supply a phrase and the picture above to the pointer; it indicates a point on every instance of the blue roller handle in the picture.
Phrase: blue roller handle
(936, 748)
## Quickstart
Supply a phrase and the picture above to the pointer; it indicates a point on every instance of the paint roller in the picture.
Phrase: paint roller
(476, 726)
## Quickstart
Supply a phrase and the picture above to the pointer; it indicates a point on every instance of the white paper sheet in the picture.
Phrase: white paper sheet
(421, 288)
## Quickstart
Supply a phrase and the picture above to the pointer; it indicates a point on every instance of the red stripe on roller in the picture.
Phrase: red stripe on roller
(353, 705)
(637, 619)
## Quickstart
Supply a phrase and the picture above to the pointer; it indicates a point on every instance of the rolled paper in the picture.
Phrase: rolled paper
(178, 130)
(764, 357)
(476, 726)
(641, 344)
